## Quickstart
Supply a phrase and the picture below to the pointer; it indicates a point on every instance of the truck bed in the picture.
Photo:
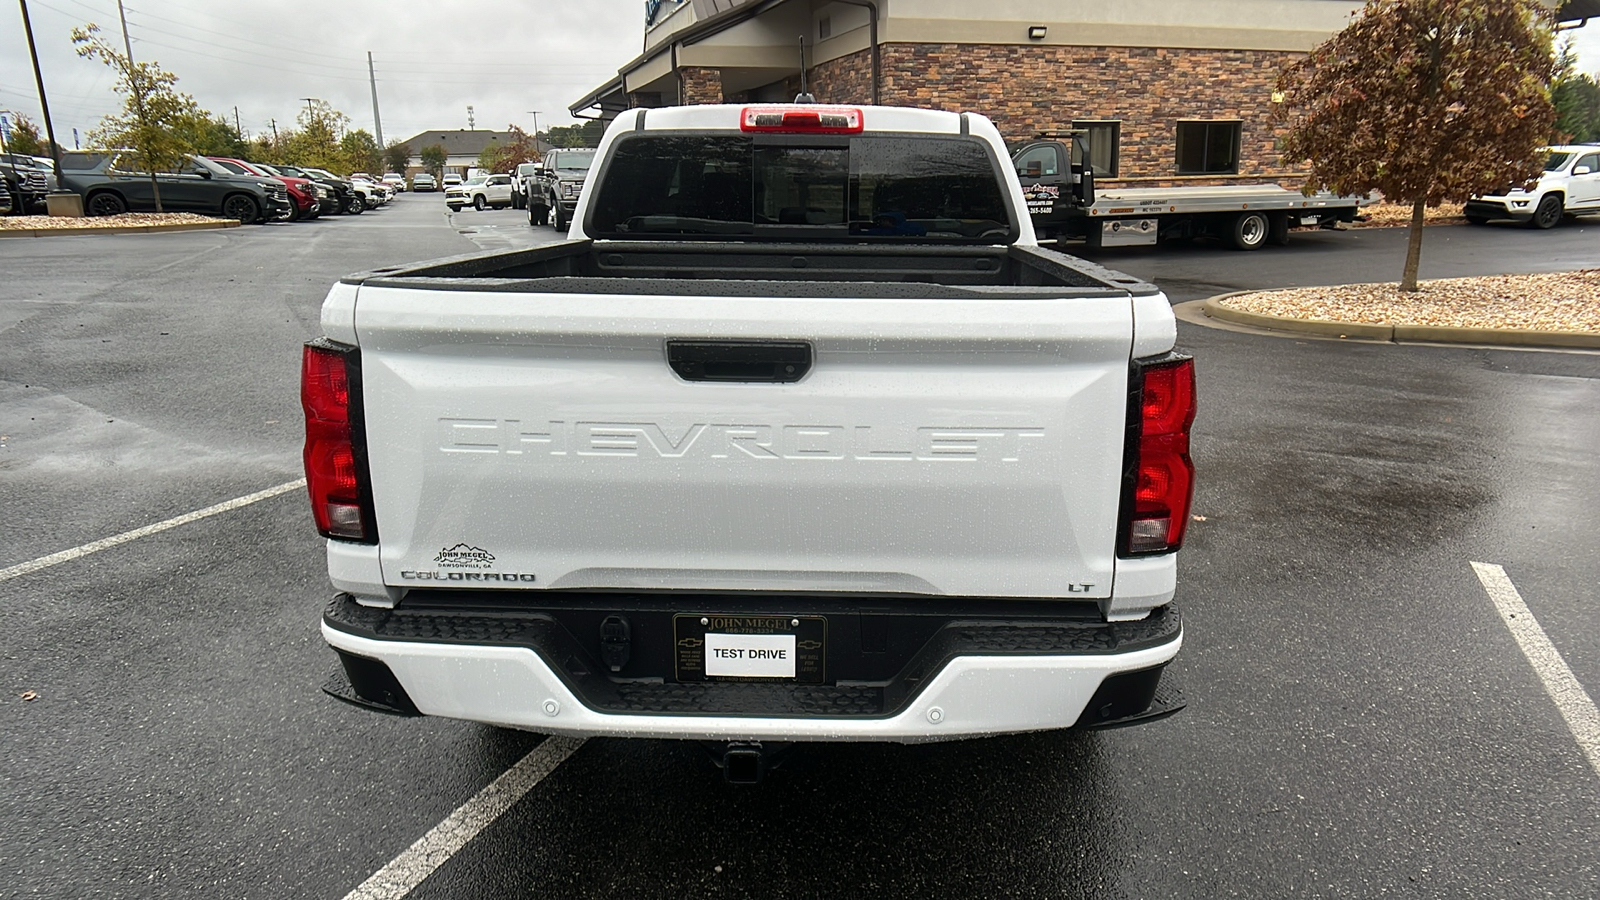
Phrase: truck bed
(749, 269)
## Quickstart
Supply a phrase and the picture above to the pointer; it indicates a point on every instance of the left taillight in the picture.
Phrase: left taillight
(335, 471)
(1160, 477)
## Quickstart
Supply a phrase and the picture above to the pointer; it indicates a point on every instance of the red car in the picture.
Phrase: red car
(302, 194)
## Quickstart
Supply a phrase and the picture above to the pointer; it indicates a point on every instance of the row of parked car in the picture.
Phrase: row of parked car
(548, 189)
(111, 182)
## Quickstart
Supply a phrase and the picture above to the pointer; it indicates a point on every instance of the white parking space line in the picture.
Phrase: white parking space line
(402, 875)
(1571, 699)
(55, 559)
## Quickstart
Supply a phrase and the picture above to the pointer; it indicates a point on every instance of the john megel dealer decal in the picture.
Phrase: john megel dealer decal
(465, 556)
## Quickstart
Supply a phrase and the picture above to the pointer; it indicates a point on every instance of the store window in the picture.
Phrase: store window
(1105, 146)
(1208, 148)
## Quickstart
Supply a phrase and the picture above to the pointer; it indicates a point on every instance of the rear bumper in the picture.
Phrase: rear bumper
(967, 679)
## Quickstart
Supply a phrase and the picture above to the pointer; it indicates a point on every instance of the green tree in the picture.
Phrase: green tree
(398, 155)
(583, 134)
(262, 149)
(209, 135)
(152, 104)
(361, 152)
(316, 142)
(25, 138)
(1577, 100)
(491, 158)
(1425, 100)
(434, 157)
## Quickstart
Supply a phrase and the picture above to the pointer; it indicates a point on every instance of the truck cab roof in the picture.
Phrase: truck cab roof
(804, 172)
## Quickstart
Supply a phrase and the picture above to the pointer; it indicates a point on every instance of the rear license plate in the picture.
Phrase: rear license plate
(750, 648)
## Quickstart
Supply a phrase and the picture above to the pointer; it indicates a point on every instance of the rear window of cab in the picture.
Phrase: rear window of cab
(918, 188)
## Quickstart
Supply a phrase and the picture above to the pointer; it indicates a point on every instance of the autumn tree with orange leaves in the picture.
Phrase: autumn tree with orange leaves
(1427, 101)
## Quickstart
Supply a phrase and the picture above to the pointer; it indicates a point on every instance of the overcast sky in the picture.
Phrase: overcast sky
(432, 61)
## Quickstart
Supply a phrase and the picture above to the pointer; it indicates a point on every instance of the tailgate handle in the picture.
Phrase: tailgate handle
(778, 362)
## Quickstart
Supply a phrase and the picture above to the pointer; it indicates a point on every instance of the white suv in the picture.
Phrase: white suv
(1570, 184)
(479, 192)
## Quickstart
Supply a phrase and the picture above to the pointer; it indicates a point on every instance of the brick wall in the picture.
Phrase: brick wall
(847, 79)
(699, 85)
(1028, 89)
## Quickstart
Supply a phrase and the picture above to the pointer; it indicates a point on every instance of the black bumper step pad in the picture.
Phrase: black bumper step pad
(658, 693)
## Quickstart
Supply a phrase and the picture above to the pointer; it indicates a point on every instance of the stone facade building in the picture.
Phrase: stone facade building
(1170, 91)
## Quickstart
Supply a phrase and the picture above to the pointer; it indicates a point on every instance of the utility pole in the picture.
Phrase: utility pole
(310, 114)
(377, 120)
(44, 105)
(238, 129)
(274, 134)
(138, 100)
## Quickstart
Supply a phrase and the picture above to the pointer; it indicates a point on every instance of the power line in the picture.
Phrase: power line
(279, 48)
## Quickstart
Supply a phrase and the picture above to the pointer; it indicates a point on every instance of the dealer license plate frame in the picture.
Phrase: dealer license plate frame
(689, 632)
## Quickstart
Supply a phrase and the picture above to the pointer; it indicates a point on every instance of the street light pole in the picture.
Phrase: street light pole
(377, 120)
(137, 86)
(44, 107)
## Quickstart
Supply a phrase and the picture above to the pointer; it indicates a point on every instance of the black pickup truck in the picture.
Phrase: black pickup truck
(27, 182)
(553, 191)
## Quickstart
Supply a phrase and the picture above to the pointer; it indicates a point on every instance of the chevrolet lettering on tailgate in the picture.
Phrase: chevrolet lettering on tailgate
(716, 441)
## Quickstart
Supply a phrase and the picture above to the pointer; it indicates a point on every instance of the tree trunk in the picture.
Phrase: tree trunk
(155, 188)
(1408, 281)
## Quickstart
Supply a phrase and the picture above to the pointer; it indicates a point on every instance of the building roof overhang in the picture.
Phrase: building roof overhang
(644, 72)
(1577, 10)
(613, 95)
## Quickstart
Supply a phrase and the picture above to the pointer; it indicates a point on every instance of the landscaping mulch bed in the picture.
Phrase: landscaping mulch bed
(126, 220)
(1562, 301)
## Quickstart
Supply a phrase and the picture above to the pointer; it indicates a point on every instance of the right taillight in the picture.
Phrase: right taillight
(334, 473)
(1155, 505)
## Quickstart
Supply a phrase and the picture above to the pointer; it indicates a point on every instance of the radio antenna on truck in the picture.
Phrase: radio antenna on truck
(804, 96)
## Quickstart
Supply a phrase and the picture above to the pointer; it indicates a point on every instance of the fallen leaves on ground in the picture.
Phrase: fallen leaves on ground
(1392, 215)
(1562, 301)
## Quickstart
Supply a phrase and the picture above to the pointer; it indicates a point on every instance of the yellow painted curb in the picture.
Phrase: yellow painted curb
(117, 229)
(1425, 334)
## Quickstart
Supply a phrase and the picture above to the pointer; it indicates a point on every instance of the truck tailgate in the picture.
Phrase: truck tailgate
(528, 440)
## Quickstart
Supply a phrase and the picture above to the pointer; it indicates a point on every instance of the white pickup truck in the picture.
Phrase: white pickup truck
(799, 436)
(1570, 184)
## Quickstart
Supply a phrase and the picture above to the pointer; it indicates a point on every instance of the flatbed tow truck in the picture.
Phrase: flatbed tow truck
(1059, 184)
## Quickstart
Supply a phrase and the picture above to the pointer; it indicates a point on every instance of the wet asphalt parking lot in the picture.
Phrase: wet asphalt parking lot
(1362, 721)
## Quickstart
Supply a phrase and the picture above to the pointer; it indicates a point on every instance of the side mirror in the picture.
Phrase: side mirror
(1581, 170)
(203, 173)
